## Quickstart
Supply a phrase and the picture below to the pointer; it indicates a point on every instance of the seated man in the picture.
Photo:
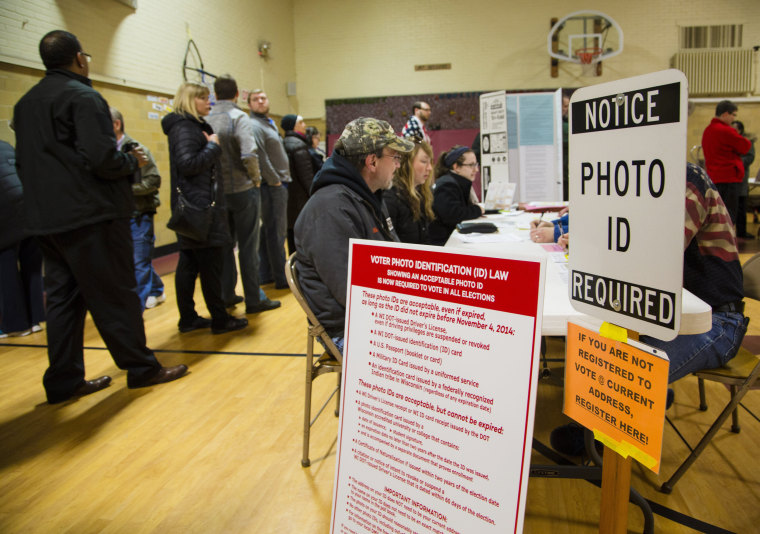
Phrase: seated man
(711, 270)
(345, 202)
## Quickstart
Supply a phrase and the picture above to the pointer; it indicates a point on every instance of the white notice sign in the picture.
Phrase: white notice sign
(439, 385)
(627, 190)
(494, 150)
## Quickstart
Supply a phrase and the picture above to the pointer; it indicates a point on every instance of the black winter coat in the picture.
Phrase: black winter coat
(194, 165)
(66, 156)
(451, 205)
(301, 171)
(408, 230)
(11, 199)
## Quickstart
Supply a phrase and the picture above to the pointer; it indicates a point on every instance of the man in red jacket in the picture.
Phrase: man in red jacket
(723, 147)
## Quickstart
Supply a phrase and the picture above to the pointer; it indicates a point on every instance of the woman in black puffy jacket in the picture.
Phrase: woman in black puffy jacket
(194, 153)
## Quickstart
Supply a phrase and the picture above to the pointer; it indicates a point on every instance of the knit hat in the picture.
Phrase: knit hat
(288, 122)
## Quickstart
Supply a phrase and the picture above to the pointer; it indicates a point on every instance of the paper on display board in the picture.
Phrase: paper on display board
(439, 384)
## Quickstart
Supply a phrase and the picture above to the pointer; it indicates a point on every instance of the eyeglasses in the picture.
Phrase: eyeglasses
(468, 164)
(426, 109)
(87, 56)
(395, 157)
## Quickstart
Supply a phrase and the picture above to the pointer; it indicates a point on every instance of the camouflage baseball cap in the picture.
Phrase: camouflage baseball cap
(367, 135)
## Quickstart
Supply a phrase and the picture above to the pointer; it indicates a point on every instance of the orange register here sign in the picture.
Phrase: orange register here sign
(618, 391)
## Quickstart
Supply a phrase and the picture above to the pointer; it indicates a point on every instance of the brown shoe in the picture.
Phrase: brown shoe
(165, 374)
(89, 386)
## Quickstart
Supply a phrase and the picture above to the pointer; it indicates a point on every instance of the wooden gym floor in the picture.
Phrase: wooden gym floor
(219, 450)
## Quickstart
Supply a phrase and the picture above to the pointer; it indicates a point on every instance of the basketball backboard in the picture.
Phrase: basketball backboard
(585, 37)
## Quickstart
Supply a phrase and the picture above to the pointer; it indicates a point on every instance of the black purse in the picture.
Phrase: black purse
(191, 221)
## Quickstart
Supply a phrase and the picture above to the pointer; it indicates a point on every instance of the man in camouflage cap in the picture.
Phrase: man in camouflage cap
(345, 202)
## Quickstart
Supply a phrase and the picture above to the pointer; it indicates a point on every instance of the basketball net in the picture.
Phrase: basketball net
(588, 57)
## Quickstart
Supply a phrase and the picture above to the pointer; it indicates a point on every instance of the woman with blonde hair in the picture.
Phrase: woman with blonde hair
(194, 153)
(455, 172)
(410, 199)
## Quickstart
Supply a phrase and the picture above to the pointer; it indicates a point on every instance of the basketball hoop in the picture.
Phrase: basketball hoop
(589, 57)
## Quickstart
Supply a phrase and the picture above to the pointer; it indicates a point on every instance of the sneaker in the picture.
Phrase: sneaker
(20, 333)
(36, 328)
(153, 301)
(262, 306)
(233, 323)
(197, 324)
(3, 335)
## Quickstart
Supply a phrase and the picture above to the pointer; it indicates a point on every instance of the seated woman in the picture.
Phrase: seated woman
(550, 231)
(455, 172)
(410, 200)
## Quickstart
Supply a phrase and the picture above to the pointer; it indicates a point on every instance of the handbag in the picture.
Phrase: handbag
(191, 221)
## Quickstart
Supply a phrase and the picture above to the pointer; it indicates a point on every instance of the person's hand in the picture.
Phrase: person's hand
(563, 211)
(213, 138)
(139, 154)
(564, 241)
(482, 209)
(538, 223)
(542, 234)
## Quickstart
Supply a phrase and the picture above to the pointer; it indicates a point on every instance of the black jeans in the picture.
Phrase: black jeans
(208, 262)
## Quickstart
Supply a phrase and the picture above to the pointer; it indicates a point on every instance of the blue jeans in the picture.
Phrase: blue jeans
(143, 238)
(243, 211)
(274, 227)
(691, 353)
(21, 302)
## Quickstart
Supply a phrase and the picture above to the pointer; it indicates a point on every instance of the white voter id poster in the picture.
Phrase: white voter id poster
(439, 386)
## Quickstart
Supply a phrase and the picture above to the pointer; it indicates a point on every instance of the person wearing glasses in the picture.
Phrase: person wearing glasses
(415, 126)
(452, 204)
(77, 203)
(345, 202)
(410, 200)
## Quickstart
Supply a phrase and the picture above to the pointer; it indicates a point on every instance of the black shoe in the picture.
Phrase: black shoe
(165, 374)
(262, 306)
(746, 235)
(237, 299)
(197, 324)
(233, 323)
(89, 386)
(670, 398)
(568, 439)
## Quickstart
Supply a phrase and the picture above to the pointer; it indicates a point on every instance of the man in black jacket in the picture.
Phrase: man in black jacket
(78, 201)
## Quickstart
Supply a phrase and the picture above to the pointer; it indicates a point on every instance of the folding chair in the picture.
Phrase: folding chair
(331, 361)
(739, 374)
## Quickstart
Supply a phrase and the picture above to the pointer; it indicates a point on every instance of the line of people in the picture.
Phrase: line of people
(90, 193)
